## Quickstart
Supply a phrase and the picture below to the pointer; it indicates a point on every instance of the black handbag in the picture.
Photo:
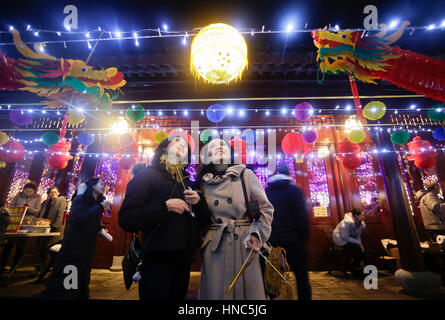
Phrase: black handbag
(253, 207)
(131, 260)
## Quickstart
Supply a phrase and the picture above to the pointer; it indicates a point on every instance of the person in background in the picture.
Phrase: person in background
(232, 234)
(30, 199)
(156, 203)
(373, 208)
(290, 225)
(5, 219)
(432, 208)
(79, 243)
(347, 234)
(136, 168)
(53, 208)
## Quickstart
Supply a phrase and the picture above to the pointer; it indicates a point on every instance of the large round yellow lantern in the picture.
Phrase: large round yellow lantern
(219, 54)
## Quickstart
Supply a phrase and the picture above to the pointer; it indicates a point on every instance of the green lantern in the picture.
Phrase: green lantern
(356, 136)
(160, 135)
(50, 138)
(135, 114)
(400, 137)
(437, 113)
(205, 135)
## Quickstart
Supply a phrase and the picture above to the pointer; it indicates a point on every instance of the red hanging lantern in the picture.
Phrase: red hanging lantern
(12, 151)
(293, 143)
(351, 162)
(59, 154)
(422, 153)
(235, 143)
(352, 157)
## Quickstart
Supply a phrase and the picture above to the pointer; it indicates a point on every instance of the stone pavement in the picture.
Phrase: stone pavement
(109, 285)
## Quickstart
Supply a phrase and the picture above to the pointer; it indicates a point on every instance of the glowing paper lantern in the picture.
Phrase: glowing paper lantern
(439, 134)
(75, 117)
(216, 113)
(422, 153)
(400, 137)
(160, 135)
(235, 144)
(351, 162)
(50, 138)
(218, 54)
(374, 110)
(436, 114)
(59, 155)
(20, 117)
(205, 135)
(3, 138)
(303, 111)
(135, 114)
(293, 143)
(12, 151)
(356, 136)
(309, 136)
(85, 138)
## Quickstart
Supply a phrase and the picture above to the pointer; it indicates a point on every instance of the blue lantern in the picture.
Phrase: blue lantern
(439, 134)
(85, 138)
(216, 113)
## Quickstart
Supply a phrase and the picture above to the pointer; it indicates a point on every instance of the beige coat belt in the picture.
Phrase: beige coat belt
(227, 225)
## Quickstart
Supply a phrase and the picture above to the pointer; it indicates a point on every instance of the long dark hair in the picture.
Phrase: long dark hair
(88, 194)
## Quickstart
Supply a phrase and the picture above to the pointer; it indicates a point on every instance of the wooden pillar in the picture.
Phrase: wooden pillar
(405, 230)
(37, 166)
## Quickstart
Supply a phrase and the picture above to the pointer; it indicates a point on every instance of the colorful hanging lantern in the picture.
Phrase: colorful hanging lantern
(11, 151)
(439, 134)
(422, 153)
(218, 54)
(350, 154)
(235, 143)
(400, 137)
(147, 135)
(351, 162)
(216, 113)
(356, 136)
(59, 154)
(293, 144)
(20, 117)
(436, 114)
(374, 110)
(309, 136)
(135, 114)
(206, 136)
(75, 117)
(50, 138)
(160, 135)
(303, 111)
(3, 138)
(85, 138)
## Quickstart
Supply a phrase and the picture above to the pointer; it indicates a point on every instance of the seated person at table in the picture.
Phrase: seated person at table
(30, 199)
(432, 208)
(347, 235)
(52, 209)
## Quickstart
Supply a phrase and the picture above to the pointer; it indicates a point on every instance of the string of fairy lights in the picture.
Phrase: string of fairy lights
(102, 34)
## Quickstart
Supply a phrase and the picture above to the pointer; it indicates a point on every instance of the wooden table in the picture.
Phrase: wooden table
(26, 237)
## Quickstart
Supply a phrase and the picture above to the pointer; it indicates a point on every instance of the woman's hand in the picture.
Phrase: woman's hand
(177, 206)
(191, 197)
(105, 203)
(254, 243)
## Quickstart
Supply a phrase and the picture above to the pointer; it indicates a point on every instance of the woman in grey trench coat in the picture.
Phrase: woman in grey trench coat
(231, 235)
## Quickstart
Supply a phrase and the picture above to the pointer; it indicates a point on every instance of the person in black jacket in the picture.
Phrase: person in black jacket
(290, 226)
(157, 204)
(79, 244)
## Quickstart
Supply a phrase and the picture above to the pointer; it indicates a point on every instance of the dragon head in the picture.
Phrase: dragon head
(354, 53)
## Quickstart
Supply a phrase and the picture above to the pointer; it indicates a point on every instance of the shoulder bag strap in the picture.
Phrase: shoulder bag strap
(243, 183)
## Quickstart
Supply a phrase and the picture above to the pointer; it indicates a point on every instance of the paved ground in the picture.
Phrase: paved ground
(109, 285)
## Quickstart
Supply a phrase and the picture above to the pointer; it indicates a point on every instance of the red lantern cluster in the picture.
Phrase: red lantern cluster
(59, 154)
(293, 143)
(351, 160)
(422, 153)
(12, 151)
(235, 143)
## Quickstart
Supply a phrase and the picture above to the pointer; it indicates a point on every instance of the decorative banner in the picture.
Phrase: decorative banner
(85, 138)
(374, 110)
(135, 114)
(439, 134)
(216, 113)
(400, 137)
(303, 111)
(58, 80)
(3, 138)
(16, 215)
(218, 54)
(50, 138)
(372, 57)
(20, 117)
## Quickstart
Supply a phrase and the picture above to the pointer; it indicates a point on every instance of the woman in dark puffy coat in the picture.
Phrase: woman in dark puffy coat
(79, 244)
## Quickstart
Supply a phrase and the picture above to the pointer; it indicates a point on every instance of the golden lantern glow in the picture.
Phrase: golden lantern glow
(218, 54)
(120, 126)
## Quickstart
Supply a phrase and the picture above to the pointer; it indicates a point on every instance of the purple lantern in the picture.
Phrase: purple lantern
(309, 136)
(20, 117)
(303, 111)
